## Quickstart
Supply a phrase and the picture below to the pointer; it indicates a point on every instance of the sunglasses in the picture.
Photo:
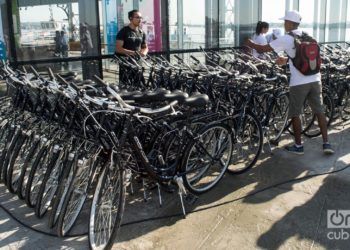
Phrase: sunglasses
(138, 17)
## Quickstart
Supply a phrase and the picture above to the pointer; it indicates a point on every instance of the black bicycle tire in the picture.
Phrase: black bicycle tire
(261, 141)
(188, 150)
(121, 199)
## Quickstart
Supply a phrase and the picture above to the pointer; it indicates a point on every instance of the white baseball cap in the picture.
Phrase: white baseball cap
(277, 32)
(292, 15)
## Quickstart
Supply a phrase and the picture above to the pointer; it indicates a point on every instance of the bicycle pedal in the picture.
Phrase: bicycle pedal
(190, 198)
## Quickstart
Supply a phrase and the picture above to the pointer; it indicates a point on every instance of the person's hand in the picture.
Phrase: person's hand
(132, 53)
(281, 60)
(143, 54)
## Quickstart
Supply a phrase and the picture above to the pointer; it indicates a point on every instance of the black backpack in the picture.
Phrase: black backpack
(307, 54)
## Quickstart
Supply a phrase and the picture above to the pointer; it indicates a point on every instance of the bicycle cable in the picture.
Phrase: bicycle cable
(180, 214)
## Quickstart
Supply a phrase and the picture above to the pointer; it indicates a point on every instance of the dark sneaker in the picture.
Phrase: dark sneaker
(295, 150)
(327, 149)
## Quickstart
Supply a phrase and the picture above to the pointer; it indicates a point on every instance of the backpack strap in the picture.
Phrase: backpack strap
(294, 36)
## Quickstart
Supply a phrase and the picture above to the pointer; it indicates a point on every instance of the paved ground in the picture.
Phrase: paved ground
(289, 216)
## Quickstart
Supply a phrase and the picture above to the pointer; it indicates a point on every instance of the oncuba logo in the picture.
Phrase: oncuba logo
(338, 218)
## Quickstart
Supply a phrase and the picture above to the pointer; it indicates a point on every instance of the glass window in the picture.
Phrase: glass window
(187, 24)
(61, 30)
(174, 36)
(123, 9)
(110, 71)
(4, 32)
(151, 23)
(347, 37)
(307, 12)
(336, 18)
(226, 23)
(193, 24)
(246, 18)
(272, 17)
(108, 25)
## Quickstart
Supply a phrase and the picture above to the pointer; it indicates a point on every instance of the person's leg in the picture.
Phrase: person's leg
(297, 96)
(296, 124)
(322, 123)
(316, 102)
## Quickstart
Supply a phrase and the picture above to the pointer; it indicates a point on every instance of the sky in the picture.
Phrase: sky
(194, 12)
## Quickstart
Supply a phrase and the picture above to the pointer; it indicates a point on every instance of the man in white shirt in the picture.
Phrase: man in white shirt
(302, 87)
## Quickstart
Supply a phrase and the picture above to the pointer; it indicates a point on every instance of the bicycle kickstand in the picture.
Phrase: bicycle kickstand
(159, 195)
(181, 191)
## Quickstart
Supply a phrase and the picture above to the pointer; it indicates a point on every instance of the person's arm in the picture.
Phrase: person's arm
(120, 50)
(259, 48)
(144, 50)
(144, 46)
(266, 48)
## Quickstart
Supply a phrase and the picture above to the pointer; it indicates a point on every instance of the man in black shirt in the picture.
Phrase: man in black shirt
(131, 39)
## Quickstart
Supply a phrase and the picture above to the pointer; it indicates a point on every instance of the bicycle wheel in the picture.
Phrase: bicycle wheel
(248, 142)
(17, 161)
(312, 128)
(24, 175)
(207, 157)
(10, 142)
(107, 207)
(37, 174)
(50, 183)
(65, 182)
(279, 117)
(76, 195)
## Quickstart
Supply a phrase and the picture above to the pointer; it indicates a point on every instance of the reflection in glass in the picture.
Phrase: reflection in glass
(53, 33)
(193, 24)
(272, 17)
(347, 31)
(4, 32)
(227, 23)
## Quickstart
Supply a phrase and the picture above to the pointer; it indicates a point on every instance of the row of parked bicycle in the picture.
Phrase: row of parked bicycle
(181, 125)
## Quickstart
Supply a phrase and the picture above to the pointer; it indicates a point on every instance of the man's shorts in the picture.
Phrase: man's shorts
(312, 92)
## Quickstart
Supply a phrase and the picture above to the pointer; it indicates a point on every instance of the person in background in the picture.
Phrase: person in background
(57, 40)
(85, 40)
(131, 39)
(64, 44)
(259, 37)
(276, 33)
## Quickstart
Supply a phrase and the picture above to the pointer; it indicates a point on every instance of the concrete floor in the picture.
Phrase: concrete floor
(231, 216)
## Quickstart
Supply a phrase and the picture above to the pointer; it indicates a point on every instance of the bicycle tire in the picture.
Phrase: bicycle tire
(20, 153)
(23, 178)
(209, 150)
(102, 192)
(279, 117)
(38, 165)
(65, 182)
(17, 137)
(243, 135)
(75, 197)
(49, 185)
(310, 130)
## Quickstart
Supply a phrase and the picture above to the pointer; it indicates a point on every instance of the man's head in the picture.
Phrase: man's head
(135, 17)
(292, 20)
